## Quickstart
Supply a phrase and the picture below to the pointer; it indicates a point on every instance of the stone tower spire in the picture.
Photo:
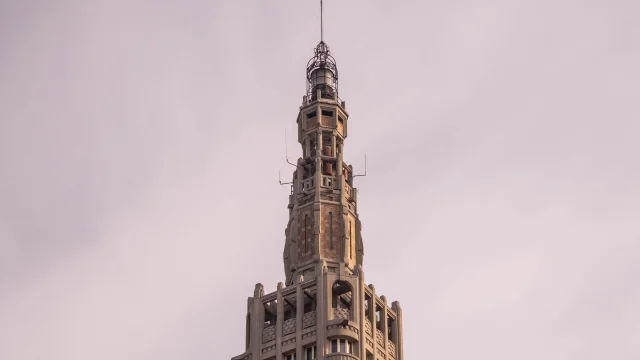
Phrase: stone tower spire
(324, 310)
(323, 220)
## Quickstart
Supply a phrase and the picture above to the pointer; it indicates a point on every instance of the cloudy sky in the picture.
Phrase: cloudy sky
(140, 144)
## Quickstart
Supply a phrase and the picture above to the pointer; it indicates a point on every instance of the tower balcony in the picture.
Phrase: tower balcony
(328, 182)
(323, 95)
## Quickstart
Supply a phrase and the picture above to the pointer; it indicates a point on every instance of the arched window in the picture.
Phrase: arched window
(341, 300)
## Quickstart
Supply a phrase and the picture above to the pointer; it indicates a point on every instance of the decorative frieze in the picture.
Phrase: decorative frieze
(289, 341)
(266, 349)
(308, 334)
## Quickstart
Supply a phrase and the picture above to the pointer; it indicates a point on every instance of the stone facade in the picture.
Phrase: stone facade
(324, 309)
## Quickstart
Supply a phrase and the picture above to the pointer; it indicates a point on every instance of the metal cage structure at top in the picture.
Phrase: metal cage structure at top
(322, 74)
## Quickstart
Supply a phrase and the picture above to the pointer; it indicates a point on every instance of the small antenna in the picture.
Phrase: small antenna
(321, 24)
(286, 151)
(365, 167)
(280, 181)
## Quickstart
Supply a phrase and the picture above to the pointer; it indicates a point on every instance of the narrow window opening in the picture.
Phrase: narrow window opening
(270, 313)
(327, 113)
(310, 353)
(330, 230)
(367, 304)
(390, 324)
(340, 119)
(311, 115)
(306, 231)
(341, 298)
(350, 238)
(289, 310)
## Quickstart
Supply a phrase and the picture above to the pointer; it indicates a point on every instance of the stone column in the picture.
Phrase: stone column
(299, 317)
(334, 151)
(362, 315)
(257, 318)
(321, 311)
(279, 321)
(398, 326)
(372, 318)
(385, 329)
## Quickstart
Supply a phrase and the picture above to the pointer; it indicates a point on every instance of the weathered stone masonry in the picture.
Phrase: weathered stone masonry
(324, 309)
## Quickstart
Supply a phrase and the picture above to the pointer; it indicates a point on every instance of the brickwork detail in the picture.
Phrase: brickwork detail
(330, 221)
(312, 123)
(306, 247)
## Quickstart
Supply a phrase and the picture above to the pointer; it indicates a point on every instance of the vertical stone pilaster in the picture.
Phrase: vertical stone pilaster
(279, 321)
(398, 326)
(384, 316)
(321, 310)
(362, 315)
(299, 316)
(333, 140)
(372, 318)
(257, 318)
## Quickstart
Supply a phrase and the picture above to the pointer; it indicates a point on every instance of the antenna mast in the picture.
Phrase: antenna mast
(321, 24)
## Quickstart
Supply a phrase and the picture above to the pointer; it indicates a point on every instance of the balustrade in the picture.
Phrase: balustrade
(379, 337)
(341, 314)
(368, 327)
(329, 181)
(392, 348)
(289, 326)
(269, 333)
(309, 319)
(308, 184)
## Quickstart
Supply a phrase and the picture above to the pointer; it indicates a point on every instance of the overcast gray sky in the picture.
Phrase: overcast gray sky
(140, 143)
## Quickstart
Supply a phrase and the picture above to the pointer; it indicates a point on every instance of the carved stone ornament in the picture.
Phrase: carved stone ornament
(357, 270)
(280, 286)
(259, 291)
